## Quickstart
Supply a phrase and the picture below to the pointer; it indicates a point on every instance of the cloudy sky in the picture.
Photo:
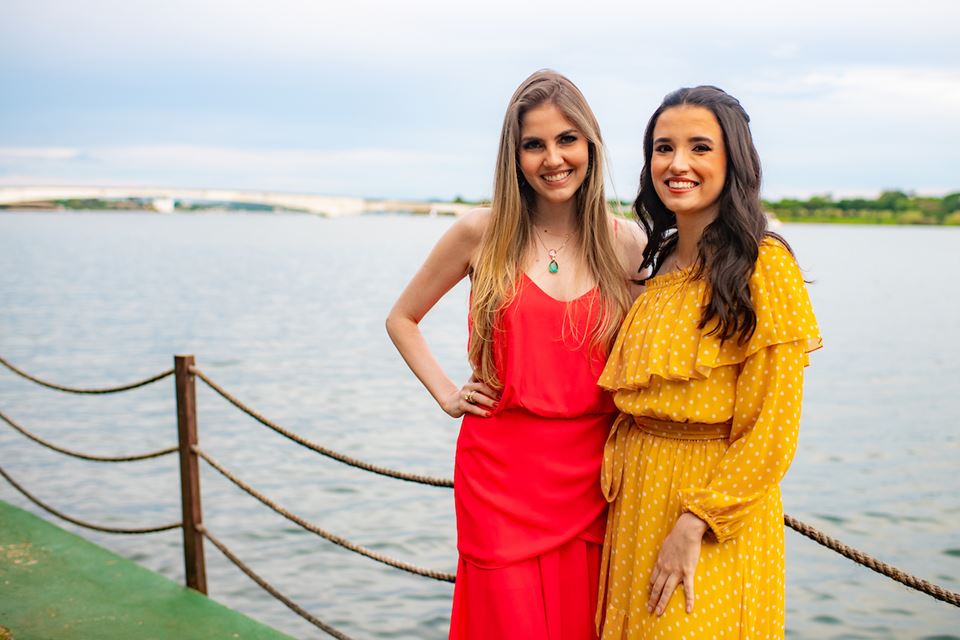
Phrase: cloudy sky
(405, 98)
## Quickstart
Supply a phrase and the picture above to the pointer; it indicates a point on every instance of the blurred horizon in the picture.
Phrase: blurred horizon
(455, 198)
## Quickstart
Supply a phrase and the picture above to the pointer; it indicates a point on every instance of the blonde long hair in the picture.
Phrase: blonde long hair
(510, 228)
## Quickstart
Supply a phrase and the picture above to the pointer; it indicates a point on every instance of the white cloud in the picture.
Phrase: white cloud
(786, 50)
(840, 96)
(438, 31)
(32, 153)
(33, 180)
(856, 128)
(904, 92)
(367, 172)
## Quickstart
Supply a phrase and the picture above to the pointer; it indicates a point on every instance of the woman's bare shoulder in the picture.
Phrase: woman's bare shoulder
(466, 235)
(631, 240)
(468, 232)
(474, 223)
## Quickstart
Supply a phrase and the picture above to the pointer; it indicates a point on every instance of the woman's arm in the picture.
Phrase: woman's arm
(766, 422)
(449, 262)
(769, 391)
(765, 425)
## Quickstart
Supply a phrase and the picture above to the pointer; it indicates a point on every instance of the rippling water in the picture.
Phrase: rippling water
(287, 312)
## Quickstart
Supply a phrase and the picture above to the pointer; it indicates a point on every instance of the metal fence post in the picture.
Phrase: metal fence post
(189, 473)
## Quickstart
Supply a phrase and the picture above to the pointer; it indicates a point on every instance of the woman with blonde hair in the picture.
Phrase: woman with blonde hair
(550, 272)
(708, 375)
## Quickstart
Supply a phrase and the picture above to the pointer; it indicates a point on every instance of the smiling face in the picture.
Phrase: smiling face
(553, 154)
(689, 163)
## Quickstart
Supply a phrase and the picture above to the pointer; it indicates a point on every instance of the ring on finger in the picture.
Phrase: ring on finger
(468, 396)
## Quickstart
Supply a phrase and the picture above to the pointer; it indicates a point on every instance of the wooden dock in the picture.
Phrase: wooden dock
(54, 584)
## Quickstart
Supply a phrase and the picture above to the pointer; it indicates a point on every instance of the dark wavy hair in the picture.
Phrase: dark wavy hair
(728, 249)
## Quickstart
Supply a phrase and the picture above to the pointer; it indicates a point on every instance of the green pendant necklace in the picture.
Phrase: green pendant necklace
(553, 266)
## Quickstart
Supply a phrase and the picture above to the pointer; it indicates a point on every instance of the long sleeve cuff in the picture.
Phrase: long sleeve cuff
(724, 514)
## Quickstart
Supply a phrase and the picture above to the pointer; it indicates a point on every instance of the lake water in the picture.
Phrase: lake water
(287, 311)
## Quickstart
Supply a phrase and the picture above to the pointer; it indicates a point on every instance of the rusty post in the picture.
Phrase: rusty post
(189, 473)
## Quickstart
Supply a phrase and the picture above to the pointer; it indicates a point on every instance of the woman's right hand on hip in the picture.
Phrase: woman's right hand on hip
(474, 397)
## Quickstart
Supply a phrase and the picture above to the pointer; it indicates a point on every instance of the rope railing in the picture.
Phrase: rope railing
(872, 563)
(87, 391)
(309, 444)
(338, 540)
(266, 586)
(85, 456)
(82, 523)
(860, 557)
(185, 370)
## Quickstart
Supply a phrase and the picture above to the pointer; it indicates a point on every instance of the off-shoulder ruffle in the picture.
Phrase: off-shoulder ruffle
(660, 336)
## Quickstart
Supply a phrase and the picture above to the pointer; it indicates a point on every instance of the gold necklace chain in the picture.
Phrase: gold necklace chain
(553, 266)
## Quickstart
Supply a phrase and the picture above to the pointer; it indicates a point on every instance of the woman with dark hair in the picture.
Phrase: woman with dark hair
(707, 372)
(550, 281)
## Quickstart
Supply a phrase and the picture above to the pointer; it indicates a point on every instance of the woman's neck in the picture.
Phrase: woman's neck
(555, 218)
(690, 229)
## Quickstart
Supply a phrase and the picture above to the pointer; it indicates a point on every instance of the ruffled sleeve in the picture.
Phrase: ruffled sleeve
(661, 337)
(769, 390)
(782, 304)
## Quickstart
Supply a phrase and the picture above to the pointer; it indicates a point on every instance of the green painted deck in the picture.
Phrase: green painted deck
(55, 585)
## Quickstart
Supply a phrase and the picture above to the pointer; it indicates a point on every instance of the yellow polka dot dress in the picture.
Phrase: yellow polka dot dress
(710, 428)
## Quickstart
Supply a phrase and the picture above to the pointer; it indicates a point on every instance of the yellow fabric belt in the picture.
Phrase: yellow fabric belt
(615, 449)
(683, 430)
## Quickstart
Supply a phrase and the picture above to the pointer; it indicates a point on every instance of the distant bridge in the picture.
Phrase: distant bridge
(165, 199)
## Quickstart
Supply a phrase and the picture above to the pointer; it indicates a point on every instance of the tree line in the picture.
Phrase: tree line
(890, 207)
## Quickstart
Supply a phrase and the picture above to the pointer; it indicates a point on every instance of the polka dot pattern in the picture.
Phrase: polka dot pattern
(663, 367)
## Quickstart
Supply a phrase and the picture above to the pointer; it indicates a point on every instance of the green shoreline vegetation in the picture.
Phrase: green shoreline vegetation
(890, 207)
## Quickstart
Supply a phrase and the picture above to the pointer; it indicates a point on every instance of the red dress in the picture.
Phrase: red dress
(530, 512)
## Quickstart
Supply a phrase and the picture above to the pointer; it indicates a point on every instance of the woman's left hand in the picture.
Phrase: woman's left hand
(677, 563)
